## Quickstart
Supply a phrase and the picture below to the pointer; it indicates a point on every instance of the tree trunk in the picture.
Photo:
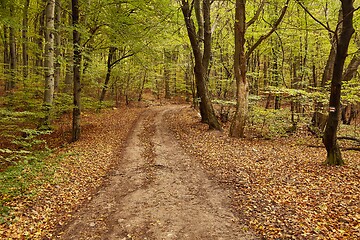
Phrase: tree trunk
(330, 135)
(39, 40)
(6, 59)
(201, 61)
(49, 53)
(327, 76)
(69, 59)
(242, 89)
(328, 70)
(49, 60)
(69, 56)
(167, 60)
(141, 90)
(174, 60)
(240, 58)
(265, 72)
(57, 45)
(25, 56)
(188, 82)
(108, 73)
(76, 71)
(275, 71)
(13, 60)
(352, 67)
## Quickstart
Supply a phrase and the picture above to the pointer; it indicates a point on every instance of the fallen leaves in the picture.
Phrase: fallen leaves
(280, 187)
(82, 168)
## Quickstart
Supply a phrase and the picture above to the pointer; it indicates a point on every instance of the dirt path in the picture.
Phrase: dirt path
(157, 192)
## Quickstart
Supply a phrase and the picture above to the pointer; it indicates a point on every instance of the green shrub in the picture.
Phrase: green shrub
(270, 123)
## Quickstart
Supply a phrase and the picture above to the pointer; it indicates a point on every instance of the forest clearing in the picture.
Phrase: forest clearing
(179, 119)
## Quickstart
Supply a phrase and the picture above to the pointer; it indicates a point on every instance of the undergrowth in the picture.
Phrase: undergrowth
(23, 180)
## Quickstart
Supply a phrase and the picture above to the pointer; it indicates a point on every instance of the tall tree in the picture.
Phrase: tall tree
(76, 72)
(111, 63)
(242, 85)
(57, 46)
(330, 135)
(201, 57)
(167, 61)
(240, 60)
(49, 59)
(13, 53)
(6, 57)
(25, 39)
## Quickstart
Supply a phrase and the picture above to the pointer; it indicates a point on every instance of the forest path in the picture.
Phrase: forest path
(157, 192)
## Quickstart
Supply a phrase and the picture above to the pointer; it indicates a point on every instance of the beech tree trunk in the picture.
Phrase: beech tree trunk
(111, 63)
(240, 58)
(39, 41)
(6, 58)
(76, 72)
(25, 40)
(49, 54)
(141, 90)
(330, 135)
(352, 67)
(201, 61)
(167, 60)
(242, 90)
(13, 59)
(108, 73)
(57, 45)
(49, 62)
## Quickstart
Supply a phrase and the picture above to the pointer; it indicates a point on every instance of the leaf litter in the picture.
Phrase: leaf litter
(82, 168)
(280, 187)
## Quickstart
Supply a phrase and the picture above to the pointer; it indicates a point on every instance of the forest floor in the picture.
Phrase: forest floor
(157, 192)
(158, 173)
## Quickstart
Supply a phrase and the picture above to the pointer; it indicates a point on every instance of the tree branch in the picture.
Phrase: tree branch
(118, 60)
(92, 33)
(313, 17)
(349, 138)
(256, 16)
(274, 27)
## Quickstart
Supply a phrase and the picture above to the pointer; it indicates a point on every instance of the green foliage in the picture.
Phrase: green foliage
(270, 123)
(25, 146)
(303, 96)
(62, 104)
(29, 138)
(20, 135)
(22, 179)
(224, 102)
(4, 214)
(351, 92)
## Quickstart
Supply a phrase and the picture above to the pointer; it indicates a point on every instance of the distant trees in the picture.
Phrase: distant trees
(240, 61)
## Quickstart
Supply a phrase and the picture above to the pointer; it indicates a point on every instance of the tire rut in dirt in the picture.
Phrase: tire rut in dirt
(157, 192)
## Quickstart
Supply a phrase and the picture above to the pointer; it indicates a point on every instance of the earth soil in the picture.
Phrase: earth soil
(157, 191)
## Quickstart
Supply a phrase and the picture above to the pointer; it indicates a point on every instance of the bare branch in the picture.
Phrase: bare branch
(256, 16)
(122, 58)
(274, 27)
(315, 19)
